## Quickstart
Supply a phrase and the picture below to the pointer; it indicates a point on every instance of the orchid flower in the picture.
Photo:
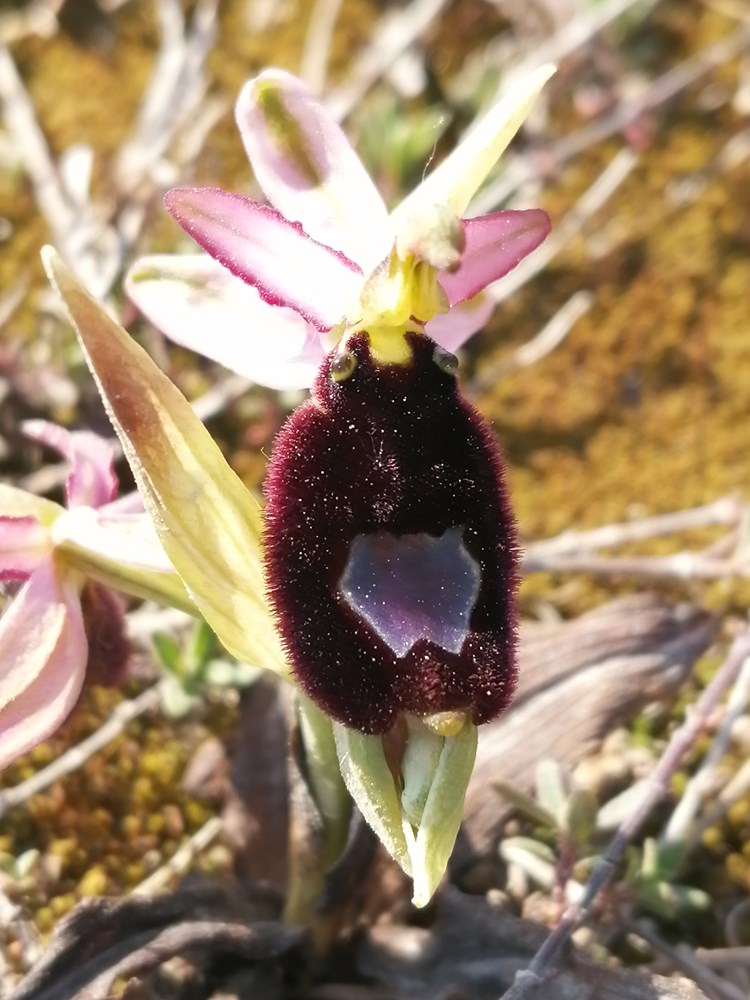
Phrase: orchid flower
(386, 591)
(269, 298)
(64, 618)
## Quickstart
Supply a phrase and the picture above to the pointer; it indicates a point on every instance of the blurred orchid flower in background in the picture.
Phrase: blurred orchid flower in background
(278, 280)
(64, 618)
(279, 303)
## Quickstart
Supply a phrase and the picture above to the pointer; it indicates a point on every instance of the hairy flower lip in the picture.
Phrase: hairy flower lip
(382, 451)
(385, 579)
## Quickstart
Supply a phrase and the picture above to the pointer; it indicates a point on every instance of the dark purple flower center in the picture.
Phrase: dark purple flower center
(390, 545)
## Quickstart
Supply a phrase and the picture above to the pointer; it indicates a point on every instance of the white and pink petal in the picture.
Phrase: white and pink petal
(92, 481)
(275, 256)
(494, 245)
(308, 170)
(43, 653)
(452, 329)
(198, 304)
(24, 544)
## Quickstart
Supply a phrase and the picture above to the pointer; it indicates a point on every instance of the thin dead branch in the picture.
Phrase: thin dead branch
(519, 168)
(175, 91)
(72, 759)
(552, 334)
(682, 566)
(182, 859)
(566, 229)
(397, 31)
(684, 960)
(656, 788)
(20, 118)
(724, 511)
(317, 48)
(706, 778)
(103, 940)
(37, 17)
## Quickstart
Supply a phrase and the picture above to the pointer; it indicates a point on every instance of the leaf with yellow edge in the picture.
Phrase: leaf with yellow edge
(208, 522)
(455, 182)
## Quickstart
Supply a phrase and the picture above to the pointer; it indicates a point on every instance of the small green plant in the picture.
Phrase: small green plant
(194, 666)
(569, 838)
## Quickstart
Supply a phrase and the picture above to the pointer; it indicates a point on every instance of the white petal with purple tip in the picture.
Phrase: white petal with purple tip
(308, 170)
(259, 245)
(198, 304)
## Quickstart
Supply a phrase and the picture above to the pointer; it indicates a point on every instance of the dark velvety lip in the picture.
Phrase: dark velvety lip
(392, 453)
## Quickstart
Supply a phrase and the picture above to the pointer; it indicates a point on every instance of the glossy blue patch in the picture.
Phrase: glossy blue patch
(413, 587)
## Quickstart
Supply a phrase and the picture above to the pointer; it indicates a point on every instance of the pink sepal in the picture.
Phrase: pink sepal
(92, 481)
(43, 653)
(452, 329)
(495, 244)
(260, 246)
(24, 543)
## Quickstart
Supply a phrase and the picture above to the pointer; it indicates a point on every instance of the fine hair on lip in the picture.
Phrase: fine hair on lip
(395, 451)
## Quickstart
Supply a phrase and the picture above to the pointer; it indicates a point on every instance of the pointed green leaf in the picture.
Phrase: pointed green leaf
(201, 645)
(526, 804)
(370, 783)
(208, 522)
(537, 860)
(442, 814)
(169, 652)
(455, 182)
(579, 816)
(551, 788)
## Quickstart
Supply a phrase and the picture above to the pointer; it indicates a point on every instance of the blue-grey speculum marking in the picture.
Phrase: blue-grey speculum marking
(413, 587)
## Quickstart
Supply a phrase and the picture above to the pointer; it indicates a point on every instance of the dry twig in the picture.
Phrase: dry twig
(704, 781)
(726, 511)
(519, 168)
(591, 201)
(72, 759)
(552, 334)
(655, 788)
(395, 34)
(686, 961)
(317, 48)
(181, 859)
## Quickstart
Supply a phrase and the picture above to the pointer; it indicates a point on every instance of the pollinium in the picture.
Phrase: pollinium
(391, 548)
